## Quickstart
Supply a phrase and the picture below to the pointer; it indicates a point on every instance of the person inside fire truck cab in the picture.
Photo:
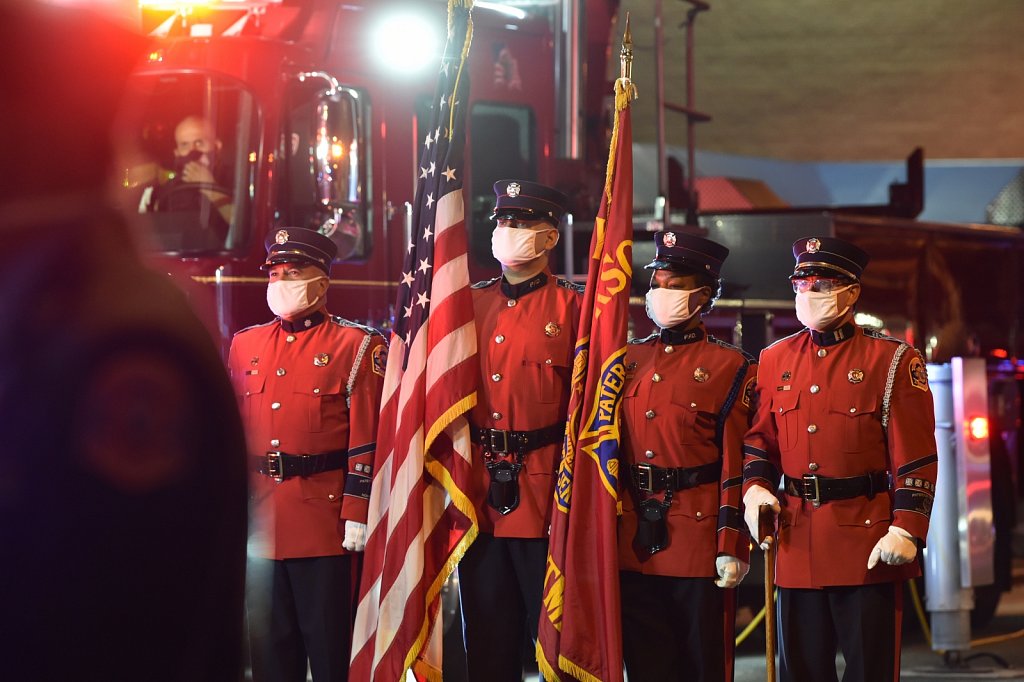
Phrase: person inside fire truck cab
(309, 385)
(845, 424)
(686, 407)
(526, 322)
(193, 185)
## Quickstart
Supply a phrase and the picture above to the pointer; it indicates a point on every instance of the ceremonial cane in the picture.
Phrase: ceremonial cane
(766, 529)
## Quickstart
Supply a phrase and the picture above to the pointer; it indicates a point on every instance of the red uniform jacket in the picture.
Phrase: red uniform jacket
(526, 334)
(306, 391)
(686, 402)
(820, 411)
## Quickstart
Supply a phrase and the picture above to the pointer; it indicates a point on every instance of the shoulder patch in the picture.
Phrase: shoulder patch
(342, 322)
(918, 373)
(254, 326)
(572, 286)
(380, 359)
(879, 335)
(636, 342)
(486, 283)
(747, 397)
(728, 346)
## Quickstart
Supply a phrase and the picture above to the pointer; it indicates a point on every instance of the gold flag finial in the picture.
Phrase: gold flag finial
(626, 53)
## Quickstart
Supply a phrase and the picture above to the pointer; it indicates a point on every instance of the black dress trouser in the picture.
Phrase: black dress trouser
(863, 621)
(501, 585)
(673, 628)
(300, 610)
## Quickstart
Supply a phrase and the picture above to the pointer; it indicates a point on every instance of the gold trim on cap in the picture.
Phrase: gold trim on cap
(831, 266)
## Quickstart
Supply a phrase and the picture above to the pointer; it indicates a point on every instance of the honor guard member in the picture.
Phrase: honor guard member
(309, 384)
(526, 322)
(845, 423)
(685, 409)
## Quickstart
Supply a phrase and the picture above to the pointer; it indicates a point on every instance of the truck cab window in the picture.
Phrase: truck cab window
(190, 164)
(323, 174)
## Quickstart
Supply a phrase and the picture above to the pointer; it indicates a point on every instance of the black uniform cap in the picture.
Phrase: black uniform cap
(828, 256)
(300, 245)
(529, 201)
(681, 252)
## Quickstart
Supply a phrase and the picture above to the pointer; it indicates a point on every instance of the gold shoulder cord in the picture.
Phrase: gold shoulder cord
(889, 381)
(355, 369)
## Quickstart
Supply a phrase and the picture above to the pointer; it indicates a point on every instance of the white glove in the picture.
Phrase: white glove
(895, 548)
(752, 501)
(355, 536)
(731, 571)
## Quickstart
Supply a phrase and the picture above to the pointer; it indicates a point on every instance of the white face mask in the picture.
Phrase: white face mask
(817, 311)
(513, 246)
(670, 307)
(289, 297)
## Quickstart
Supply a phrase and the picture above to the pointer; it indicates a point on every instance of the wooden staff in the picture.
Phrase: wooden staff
(766, 530)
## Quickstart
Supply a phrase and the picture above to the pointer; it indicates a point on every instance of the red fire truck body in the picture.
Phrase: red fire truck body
(314, 127)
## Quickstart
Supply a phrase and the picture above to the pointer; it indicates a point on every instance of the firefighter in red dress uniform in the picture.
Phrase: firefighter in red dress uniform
(526, 322)
(845, 419)
(309, 386)
(685, 409)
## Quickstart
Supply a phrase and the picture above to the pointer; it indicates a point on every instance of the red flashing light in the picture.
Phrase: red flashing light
(978, 428)
(999, 353)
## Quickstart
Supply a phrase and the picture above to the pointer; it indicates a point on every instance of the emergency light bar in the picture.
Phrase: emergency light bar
(185, 6)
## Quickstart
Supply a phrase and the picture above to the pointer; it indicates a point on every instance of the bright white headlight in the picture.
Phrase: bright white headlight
(407, 42)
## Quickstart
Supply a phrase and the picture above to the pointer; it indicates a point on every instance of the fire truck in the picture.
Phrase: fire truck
(317, 110)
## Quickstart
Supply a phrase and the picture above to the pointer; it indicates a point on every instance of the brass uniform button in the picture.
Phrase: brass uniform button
(650, 414)
(813, 466)
(290, 338)
(649, 454)
(813, 428)
(822, 352)
(815, 388)
(500, 338)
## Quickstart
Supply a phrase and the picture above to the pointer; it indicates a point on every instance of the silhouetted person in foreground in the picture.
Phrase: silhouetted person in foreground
(122, 480)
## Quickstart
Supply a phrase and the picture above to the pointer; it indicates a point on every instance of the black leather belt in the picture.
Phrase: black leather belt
(281, 465)
(820, 489)
(502, 442)
(652, 479)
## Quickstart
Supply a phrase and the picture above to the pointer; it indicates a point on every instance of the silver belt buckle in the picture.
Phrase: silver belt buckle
(812, 480)
(274, 466)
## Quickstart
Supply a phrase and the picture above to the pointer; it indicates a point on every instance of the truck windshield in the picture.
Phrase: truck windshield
(191, 159)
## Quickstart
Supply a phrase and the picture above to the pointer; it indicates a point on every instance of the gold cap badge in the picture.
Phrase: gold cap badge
(281, 237)
(513, 189)
(813, 245)
(670, 239)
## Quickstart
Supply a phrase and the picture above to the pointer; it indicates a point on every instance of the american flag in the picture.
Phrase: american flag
(420, 520)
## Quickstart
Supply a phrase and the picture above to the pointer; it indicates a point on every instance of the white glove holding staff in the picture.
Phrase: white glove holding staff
(752, 501)
(895, 548)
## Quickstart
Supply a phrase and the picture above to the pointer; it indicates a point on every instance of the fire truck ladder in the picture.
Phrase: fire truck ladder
(693, 117)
